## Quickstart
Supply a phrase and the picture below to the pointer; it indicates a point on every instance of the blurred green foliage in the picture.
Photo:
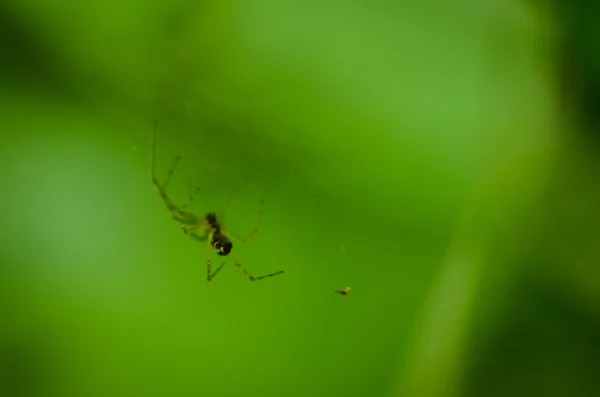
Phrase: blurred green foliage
(433, 156)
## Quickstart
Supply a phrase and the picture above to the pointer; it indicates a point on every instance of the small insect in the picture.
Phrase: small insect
(217, 238)
(344, 291)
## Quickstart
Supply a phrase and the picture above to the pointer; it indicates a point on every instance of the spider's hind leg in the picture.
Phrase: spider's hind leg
(251, 277)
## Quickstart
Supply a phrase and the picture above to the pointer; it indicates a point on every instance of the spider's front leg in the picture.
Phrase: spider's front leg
(191, 231)
(194, 226)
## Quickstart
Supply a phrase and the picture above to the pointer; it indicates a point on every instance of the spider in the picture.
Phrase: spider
(217, 238)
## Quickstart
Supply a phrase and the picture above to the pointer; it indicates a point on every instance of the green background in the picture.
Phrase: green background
(423, 153)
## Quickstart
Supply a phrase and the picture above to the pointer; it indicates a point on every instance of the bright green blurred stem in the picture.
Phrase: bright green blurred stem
(490, 244)
(484, 258)
(488, 252)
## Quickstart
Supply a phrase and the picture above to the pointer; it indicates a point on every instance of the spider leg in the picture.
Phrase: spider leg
(191, 228)
(176, 161)
(253, 231)
(179, 215)
(161, 190)
(232, 196)
(191, 196)
(195, 236)
(209, 275)
(251, 277)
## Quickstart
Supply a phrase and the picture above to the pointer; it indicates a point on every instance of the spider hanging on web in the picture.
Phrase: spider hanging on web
(205, 228)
